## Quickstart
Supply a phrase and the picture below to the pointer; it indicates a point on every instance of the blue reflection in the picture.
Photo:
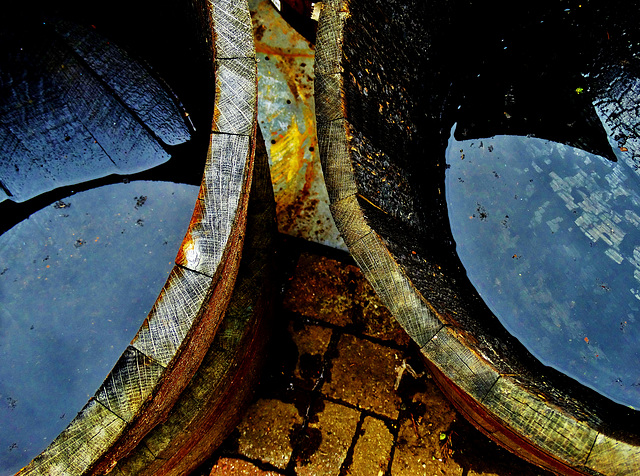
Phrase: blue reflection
(77, 278)
(550, 237)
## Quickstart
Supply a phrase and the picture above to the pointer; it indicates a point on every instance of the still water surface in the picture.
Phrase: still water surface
(77, 279)
(550, 237)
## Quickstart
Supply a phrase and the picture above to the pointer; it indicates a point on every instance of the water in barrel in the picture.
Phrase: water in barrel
(543, 190)
(88, 239)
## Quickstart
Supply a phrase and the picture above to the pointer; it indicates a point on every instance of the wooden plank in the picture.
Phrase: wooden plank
(549, 427)
(210, 406)
(129, 384)
(488, 424)
(395, 289)
(460, 364)
(146, 97)
(338, 172)
(612, 457)
(76, 448)
(329, 85)
(219, 202)
(350, 218)
(212, 246)
(329, 37)
(231, 21)
(172, 315)
(236, 96)
(82, 110)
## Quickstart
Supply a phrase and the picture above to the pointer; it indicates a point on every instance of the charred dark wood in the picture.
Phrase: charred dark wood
(383, 98)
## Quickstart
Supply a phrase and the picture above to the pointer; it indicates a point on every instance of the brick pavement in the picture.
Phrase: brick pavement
(334, 400)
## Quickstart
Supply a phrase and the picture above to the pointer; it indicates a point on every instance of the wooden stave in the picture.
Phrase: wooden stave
(213, 402)
(158, 364)
(481, 384)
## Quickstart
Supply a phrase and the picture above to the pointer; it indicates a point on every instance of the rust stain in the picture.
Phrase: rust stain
(258, 31)
(293, 174)
(288, 155)
(216, 109)
(293, 69)
(275, 51)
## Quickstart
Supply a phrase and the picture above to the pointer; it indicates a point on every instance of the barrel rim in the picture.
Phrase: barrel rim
(589, 444)
(172, 341)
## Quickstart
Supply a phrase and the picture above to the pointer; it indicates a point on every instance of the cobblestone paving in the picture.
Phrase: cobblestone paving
(333, 399)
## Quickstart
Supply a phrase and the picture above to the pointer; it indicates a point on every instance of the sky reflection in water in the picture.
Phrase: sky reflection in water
(76, 281)
(550, 237)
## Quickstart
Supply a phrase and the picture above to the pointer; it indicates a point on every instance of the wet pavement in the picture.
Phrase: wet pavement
(344, 392)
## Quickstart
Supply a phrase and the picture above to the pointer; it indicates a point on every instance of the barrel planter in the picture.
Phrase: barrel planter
(148, 416)
(384, 88)
(213, 402)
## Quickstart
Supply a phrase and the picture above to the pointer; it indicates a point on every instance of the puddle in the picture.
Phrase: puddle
(550, 237)
(78, 278)
(98, 180)
(543, 193)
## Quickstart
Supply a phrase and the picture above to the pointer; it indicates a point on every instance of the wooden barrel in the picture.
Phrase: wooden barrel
(212, 404)
(130, 416)
(382, 89)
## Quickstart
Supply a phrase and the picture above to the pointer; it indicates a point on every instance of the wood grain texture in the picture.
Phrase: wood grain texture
(329, 37)
(609, 456)
(531, 417)
(211, 405)
(221, 196)
(461, 363)
(80, 444)
(235, 96)
(328, 85)
(172, 315)
(493, 427)
(171, 344)
(394, 288)
(129, 383)
(513, 411)
(231, 22)
(338, 173)
(152, 103)
(335, 134)
(82, 111)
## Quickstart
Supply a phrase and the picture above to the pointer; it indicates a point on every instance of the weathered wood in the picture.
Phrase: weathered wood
(477, 414)
(174, 339)
(83, 110)
(80, 444)
(210, 406)
(366, 128)
(611, 456)
(461, 363)
(152, 103)
(172, 315)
